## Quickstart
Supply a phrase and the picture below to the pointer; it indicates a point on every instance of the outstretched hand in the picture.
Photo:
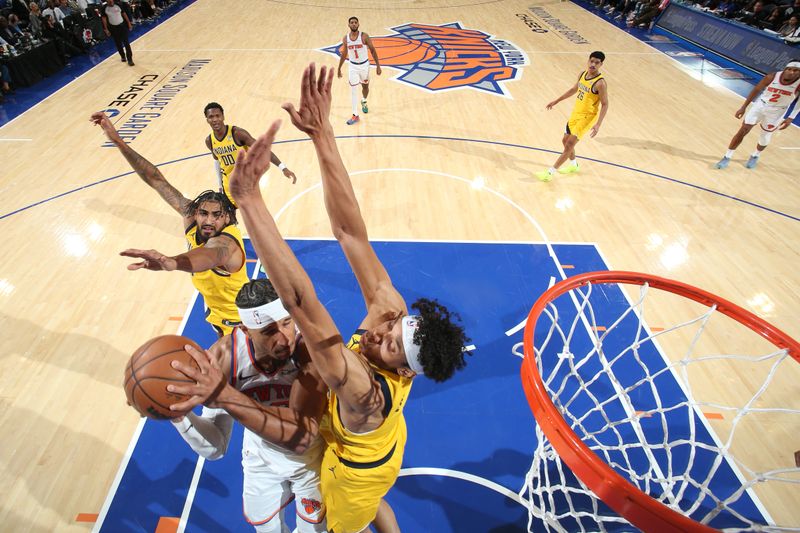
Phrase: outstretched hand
(315, 101)
(101, 119)
(252, 164)
(151, 260)
(209, 380)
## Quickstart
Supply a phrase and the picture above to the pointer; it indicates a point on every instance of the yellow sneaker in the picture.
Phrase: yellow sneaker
(544, 175)
(569, 169)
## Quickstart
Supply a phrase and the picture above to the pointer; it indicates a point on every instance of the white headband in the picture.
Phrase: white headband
(793, 64)
(264, 315)
(410, 325)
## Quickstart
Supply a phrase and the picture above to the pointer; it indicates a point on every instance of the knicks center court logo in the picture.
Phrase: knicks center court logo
(446, 57)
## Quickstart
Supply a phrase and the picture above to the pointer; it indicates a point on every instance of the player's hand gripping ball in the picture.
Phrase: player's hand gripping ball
(149, 371)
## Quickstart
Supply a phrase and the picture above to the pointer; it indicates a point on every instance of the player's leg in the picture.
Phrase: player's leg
(764, 137)
(264, 496)
(754, 115)
(569, 141)
(354, 79)
(737, 139)
(364, 75)
(311, 510)
(569, 149)
(385, 521)
(364, 94)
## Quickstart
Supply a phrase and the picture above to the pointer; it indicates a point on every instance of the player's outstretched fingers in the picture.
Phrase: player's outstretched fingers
(322, 80)
(305, 85)
(312, 79)
(329, 82)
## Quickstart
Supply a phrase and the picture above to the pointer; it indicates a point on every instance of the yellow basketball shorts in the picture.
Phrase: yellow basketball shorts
(352, 495)
(222, 326)
(578, 125)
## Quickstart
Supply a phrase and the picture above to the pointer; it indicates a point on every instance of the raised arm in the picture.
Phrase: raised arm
(144, 168)
(243, 138)
(344, 213)
(221, 251)
(342, 370)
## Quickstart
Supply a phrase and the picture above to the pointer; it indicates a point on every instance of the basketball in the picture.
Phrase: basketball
(149, 371)
(402, 51)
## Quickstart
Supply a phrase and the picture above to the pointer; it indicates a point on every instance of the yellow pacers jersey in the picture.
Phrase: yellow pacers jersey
(358, 469)
(376, 444)
(218, 287)
(226, 152)
(587, 102)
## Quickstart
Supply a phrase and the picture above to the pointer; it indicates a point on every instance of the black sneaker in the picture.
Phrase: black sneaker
(123, 59)
(130, 62)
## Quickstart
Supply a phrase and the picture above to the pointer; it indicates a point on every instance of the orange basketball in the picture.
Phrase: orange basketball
(149, 371)
(402, 51)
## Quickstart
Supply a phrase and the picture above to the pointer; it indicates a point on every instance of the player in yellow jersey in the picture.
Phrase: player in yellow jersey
(225, 142)
(370, 376)
(216, 255)
(591, 106)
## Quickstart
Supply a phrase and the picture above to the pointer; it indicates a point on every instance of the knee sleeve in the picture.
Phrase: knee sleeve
(764, 137)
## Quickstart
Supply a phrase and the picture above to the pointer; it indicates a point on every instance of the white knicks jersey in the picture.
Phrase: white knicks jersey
(778, 95)
(356, 49)
(267, 389)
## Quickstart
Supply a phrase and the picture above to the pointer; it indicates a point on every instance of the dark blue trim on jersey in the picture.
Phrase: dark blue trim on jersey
(354, 63)
(371, 464)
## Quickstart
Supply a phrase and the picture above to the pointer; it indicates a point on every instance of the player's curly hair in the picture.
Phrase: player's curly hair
(255, 293)
(212, 196)
(440, 339)
(212, 105)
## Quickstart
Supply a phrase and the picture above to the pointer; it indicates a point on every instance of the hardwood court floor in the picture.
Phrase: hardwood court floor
(647, 195)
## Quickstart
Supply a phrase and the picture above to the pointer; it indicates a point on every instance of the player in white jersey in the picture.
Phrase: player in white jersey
(262, 376)
(777, 91)
(354, 49)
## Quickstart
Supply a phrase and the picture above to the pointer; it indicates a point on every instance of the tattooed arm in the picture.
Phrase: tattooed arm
(221, 251)
(144, 168)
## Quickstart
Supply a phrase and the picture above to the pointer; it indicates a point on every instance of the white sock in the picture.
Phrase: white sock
(551, 170)
(729, 154)
(573, 162)
(756, 154)
(354, 99)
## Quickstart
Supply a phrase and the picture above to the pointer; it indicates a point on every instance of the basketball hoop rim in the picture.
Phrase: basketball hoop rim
(620, 495)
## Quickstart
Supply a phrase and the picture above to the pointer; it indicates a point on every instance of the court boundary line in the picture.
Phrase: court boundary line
(464, 476)
(443, 138)
(123, 466)
(180, 8)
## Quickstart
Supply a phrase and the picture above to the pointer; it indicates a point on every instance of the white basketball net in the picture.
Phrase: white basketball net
(612, 394)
